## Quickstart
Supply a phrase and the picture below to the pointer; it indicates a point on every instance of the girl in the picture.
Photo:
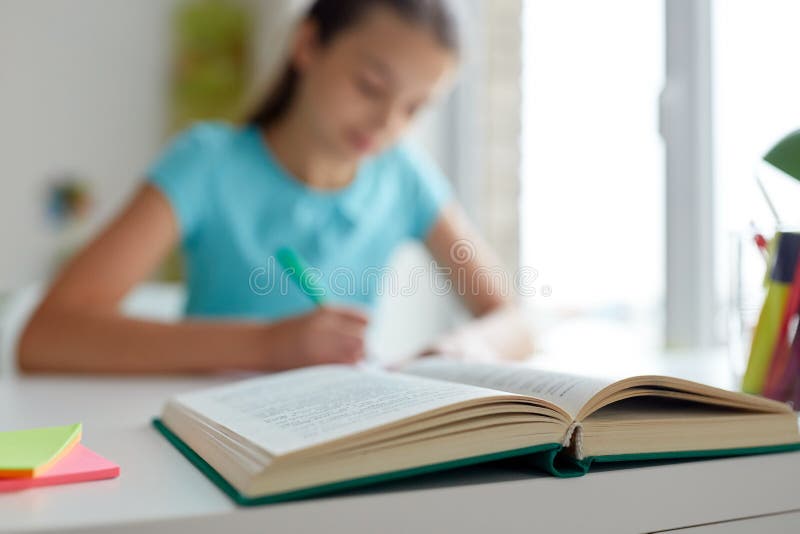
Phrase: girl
(316, 167)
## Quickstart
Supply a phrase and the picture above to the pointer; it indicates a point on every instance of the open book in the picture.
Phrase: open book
(319, 429)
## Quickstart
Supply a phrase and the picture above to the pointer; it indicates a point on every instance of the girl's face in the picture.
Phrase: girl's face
(359, 92)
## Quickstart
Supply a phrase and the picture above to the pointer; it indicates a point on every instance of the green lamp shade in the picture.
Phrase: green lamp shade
(786, 155)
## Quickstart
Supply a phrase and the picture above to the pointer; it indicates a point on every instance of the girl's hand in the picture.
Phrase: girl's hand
(329, 334)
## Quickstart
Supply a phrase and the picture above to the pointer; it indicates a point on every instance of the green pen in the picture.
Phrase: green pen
(298, 269)
(299, 272)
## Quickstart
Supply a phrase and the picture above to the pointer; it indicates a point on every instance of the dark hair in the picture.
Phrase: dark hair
(334, 16)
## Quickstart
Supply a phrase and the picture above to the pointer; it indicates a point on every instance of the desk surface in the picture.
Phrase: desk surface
(158, 490)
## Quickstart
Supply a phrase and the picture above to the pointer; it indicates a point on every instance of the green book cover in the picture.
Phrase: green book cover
(549, 458)
(586, 463)
(333, 487)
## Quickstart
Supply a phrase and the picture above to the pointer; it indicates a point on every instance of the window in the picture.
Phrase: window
(756, 102)
(592, 203)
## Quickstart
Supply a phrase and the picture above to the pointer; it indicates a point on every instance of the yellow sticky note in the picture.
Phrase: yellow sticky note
(28, 453)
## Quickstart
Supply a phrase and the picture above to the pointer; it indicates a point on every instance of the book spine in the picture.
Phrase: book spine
(573, 439)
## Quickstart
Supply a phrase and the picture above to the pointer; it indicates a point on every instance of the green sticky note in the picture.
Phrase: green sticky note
(28, 453)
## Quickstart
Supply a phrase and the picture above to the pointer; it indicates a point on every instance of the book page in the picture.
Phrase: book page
(568, 391)
(297, 409)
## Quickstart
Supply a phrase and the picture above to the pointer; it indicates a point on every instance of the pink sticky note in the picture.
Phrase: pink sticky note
(79, 465)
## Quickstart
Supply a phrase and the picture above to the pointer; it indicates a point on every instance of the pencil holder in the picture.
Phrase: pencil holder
(773, 366)
(747, 270)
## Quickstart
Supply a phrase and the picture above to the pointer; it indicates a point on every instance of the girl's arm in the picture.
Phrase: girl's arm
(78, 327)
(500, 330)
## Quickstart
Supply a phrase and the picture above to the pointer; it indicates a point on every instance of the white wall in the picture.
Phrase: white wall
(81, 91)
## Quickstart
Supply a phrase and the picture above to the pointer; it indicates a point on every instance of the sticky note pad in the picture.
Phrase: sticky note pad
(79, 465)
(30, 453)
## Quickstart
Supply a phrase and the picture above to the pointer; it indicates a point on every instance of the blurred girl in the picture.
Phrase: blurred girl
(318, 166)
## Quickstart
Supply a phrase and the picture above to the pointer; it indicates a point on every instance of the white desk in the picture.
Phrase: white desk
(158, 490)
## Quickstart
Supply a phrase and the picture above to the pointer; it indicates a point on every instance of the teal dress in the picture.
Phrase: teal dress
(236, 206)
